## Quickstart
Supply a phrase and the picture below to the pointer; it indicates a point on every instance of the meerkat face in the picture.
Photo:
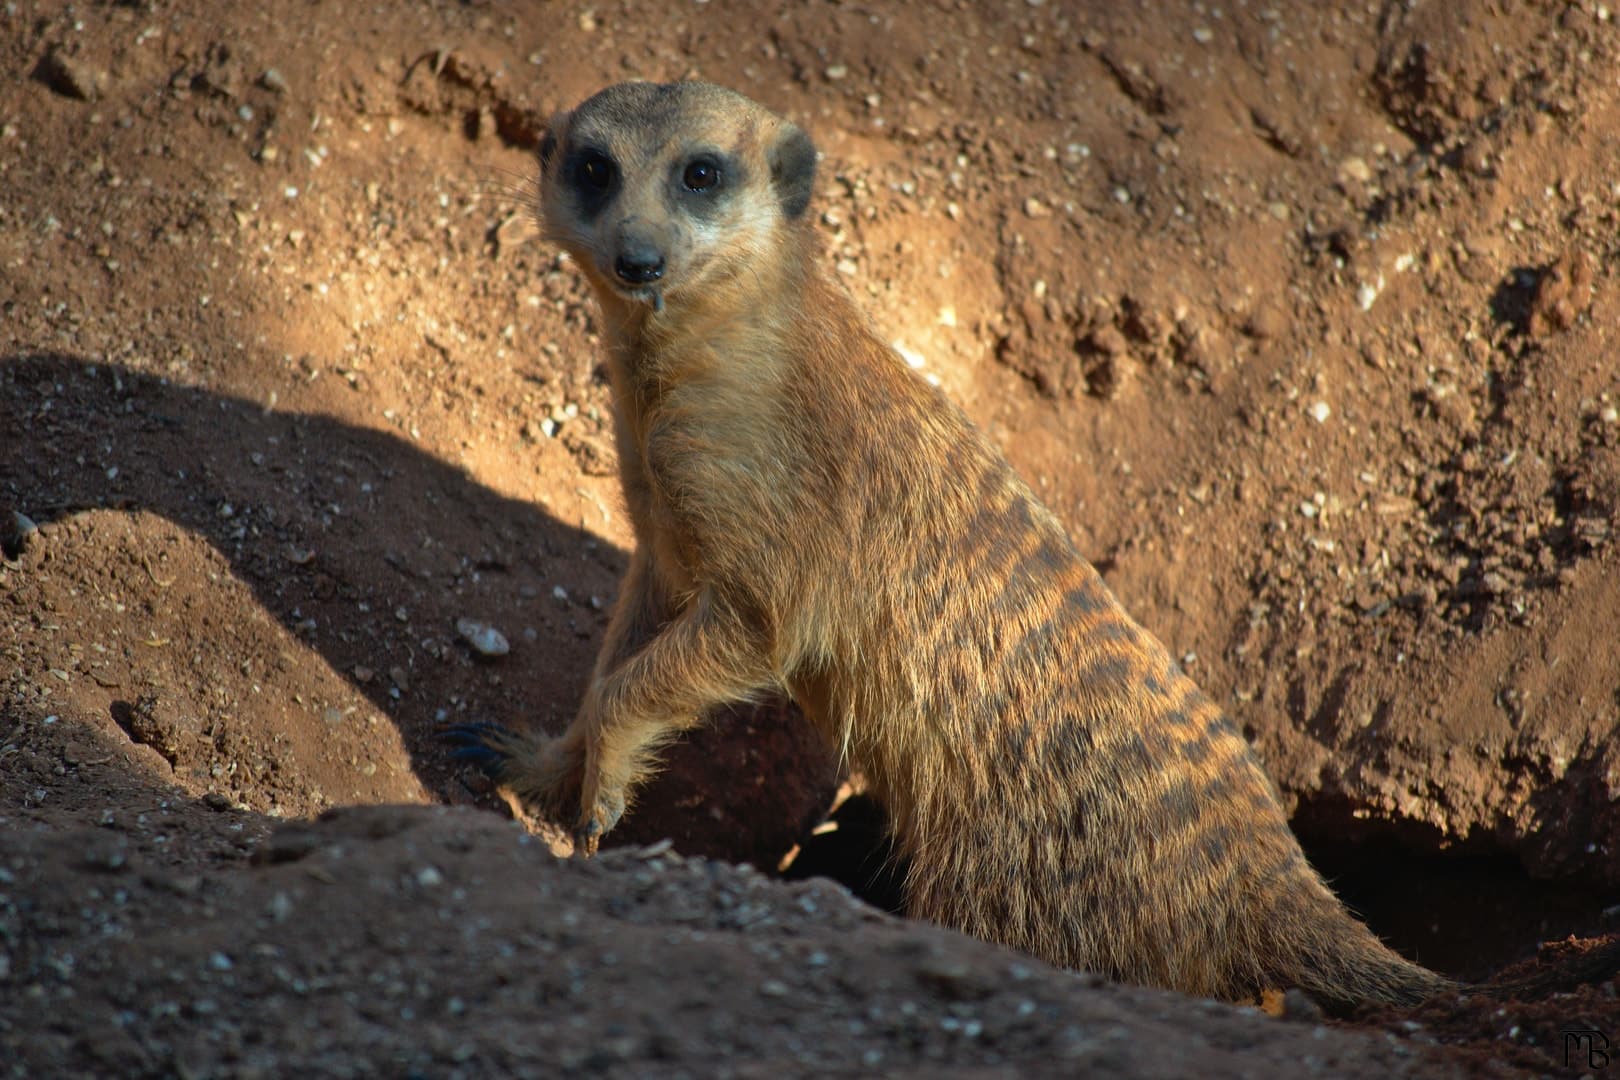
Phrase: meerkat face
(662, 190)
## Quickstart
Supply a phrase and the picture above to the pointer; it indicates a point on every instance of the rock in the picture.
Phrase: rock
(18, 533)
(1563, 293)
(484, 638)
(952, 977)
(69, 75)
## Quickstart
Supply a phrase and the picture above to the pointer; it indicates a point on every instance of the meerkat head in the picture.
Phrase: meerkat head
(659, 190)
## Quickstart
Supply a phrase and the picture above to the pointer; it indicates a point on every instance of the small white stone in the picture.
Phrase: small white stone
(1321, 411)
(484, 638)
(1355, 168)
(912, 357)
(1367, 294)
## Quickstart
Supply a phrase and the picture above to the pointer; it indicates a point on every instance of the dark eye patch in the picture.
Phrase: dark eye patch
(597, 171)
(594, 176)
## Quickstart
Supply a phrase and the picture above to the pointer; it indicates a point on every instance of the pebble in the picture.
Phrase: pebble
(1321, 411)
(1354, 168)
(954, 979)
(69, 76)
(273, 81)
(484, 638)
(1367, 294)
(912, 357)
(17, 533)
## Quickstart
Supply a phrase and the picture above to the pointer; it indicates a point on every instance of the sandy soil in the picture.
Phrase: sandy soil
(1301, 316)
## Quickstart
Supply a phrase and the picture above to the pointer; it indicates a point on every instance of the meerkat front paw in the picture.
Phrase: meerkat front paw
(543, 773)
(600, 814)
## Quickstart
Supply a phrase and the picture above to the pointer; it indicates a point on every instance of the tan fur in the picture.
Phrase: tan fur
(812, 517)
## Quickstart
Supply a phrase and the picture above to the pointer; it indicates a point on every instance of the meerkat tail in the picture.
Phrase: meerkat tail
(1338, 961)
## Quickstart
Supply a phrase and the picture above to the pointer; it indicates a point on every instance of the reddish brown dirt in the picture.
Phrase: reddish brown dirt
(1302, 316)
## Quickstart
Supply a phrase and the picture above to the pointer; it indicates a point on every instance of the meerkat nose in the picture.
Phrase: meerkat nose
(639, 263)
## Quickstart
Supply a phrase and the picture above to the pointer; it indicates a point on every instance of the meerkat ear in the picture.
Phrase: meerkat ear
(548, 141)
(793, 169)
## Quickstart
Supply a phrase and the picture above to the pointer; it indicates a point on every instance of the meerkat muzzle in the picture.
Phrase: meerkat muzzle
(639, 265)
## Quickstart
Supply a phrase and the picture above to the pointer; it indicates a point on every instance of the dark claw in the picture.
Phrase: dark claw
(587, 838)
(483, 757)
(475, 731)
(472, 745)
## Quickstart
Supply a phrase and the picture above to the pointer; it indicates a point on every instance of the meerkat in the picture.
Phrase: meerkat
(813, 517)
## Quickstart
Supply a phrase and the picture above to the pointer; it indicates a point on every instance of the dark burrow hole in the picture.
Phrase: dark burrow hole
(1466, 915)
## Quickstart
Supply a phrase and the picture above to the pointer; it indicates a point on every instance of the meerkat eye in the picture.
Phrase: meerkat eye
(596, 170)
(701, 175)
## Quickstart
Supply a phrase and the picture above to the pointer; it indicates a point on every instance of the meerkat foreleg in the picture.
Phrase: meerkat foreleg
(545, 772)
(706, 656)
(642, 608)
